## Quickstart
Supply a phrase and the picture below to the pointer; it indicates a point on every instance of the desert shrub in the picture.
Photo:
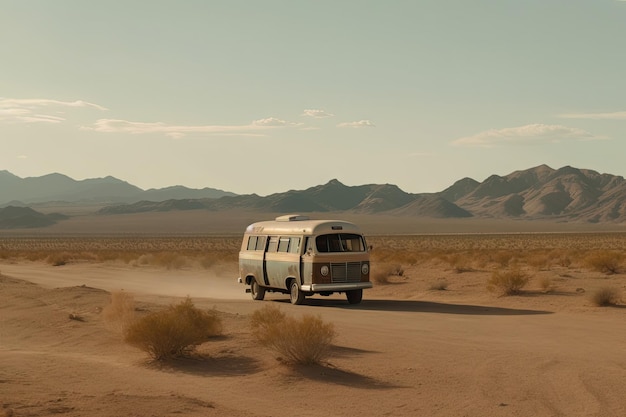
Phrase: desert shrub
(440, 285)
(546, 284)
(502, 257)
(58, 259)
(606, 296)
(459, 262)
(299, 341)
(508, 282)
(173, 332)
(564, 261)
(120, 312)
(538, 261)
(607, 262)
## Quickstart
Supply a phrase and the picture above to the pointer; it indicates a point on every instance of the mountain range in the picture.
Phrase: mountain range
(18, 191)
(567, 194)
(564, 194)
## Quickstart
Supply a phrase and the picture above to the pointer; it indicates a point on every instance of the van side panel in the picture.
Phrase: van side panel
(251, 263)
(281, 266)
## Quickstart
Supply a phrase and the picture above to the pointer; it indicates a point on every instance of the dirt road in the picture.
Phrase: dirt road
(400, 356)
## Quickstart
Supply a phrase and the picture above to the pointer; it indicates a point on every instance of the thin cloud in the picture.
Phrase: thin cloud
(177, 131)
(420, 154)
(357, 125)
(529, 134)
(273, 122)
(33, 110)
(317, 113)
(619, 115)
(31, 103)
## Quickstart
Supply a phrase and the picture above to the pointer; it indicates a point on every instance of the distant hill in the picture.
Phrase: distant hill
(542, 192)
(564, 194)
(108, 190)
(24, 217)
(332, 196)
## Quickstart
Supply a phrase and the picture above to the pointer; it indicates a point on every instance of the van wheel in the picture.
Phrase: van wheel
(258, 292)
(354, 296)
(295, 293)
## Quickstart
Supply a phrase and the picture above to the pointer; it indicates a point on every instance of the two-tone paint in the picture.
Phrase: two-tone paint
(302, 257)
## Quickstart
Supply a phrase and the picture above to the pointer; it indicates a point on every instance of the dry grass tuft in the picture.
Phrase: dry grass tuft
(173, 332)
(503, 257)
(539, 261)
(508, 282)
(607, 262)
(299, 341)
(459, 262)
(606, 296)
(58, 259)
(120, 313)
(440, 285)
(547, 285)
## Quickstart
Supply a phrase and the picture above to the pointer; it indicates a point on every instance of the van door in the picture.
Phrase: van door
(266, 280)
(306, 265)
(272, 264)
(282, 260)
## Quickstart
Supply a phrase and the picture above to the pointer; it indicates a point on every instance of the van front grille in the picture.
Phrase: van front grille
(345, 272)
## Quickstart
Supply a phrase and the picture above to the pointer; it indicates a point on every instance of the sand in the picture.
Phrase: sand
(405, 350)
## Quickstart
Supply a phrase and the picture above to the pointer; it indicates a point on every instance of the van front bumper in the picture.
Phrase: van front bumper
(336, 287)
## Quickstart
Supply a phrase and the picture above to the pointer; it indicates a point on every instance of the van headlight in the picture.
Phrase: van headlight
(324, 270)
(365, 269)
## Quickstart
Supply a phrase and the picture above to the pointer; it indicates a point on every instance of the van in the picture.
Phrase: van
(298, 256)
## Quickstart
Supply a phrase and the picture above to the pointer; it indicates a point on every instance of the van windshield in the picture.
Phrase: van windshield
(340, 242)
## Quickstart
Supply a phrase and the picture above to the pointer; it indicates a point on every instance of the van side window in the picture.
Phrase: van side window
(260, 243)
(283, 244)
(252, 242)
(273, 245)
(294, 245)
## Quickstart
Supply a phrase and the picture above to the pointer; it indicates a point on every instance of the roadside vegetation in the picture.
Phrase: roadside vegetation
(391, 256)
(169, 333)
(305, 340)
(163, 252)
(513, 262)
(606, 296)
(507, 282)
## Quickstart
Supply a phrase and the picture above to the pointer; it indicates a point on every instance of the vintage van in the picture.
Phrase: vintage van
(301, 257)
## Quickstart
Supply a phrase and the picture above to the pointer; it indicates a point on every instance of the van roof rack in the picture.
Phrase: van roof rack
(292, 218)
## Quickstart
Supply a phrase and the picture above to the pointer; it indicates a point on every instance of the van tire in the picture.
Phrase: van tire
(354, 296)
(296, 295)
(257, 292)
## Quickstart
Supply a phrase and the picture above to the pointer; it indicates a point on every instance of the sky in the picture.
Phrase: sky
(268, 96)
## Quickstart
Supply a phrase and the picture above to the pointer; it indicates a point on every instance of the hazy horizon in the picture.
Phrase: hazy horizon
(263, 97)
(217, 187)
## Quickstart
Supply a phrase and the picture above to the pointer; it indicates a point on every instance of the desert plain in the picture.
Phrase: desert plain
(430, 339)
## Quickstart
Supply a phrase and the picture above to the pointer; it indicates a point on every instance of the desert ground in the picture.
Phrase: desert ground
(428, 340)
